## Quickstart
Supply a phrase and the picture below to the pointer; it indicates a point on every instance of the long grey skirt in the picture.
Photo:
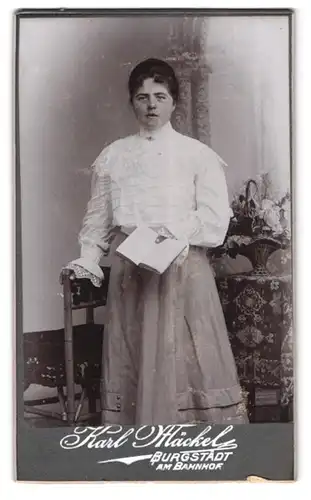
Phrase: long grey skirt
(166, 353)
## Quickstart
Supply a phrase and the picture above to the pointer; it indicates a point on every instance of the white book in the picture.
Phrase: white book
(144, 248)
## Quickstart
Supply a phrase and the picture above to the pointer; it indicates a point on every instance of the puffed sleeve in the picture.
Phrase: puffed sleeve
(96, 233)
(207, 225)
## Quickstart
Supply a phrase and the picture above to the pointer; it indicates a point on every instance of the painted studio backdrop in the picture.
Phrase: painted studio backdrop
(234, 78)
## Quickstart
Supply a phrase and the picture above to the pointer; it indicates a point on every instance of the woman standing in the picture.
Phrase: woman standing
(166, 354)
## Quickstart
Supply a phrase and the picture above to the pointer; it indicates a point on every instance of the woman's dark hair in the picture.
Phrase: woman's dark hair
(159, 70)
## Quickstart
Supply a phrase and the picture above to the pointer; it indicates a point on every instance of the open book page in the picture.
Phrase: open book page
(141, 248)
(138, 244)
(162, 255)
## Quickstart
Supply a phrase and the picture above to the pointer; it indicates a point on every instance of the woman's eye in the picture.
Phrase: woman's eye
(161, 97)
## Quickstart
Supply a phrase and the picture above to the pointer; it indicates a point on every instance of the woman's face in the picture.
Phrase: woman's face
(153, 105)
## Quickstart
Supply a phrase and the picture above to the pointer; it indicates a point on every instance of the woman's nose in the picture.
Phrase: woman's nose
(152, 102)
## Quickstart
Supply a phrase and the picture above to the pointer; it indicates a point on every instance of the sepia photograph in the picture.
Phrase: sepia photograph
(155, 209)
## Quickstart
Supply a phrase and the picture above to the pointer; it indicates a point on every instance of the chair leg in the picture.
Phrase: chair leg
(69, 361)
(62, 402)
(91, 396)
(77, 415)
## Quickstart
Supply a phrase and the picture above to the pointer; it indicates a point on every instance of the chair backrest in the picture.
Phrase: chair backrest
(80, 293)
(84, 294)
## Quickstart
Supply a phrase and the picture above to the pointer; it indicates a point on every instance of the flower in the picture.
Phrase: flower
(256, 215)
(272, 219)
(239, 240)
(267, 204)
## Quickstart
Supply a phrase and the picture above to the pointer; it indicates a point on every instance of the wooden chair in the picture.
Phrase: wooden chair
(69, 356)
(80, 294)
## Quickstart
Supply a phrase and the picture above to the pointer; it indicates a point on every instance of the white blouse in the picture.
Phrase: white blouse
(161, 178)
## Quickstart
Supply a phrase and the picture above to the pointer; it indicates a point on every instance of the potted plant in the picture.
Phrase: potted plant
(258, 227)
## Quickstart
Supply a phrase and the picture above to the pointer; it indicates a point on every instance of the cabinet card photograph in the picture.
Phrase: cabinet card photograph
(153, 245)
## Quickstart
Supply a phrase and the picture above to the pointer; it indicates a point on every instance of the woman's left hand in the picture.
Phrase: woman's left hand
(165, 233)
